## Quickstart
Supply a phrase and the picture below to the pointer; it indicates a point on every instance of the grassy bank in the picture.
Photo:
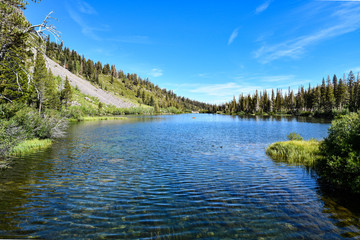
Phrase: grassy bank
(96, 118)
(30, 146)
(295, 151)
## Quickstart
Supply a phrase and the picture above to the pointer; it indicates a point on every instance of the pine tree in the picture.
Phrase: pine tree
(156, 107)
(39, 78)
(14, 35)
(323, 95)
(330, 98)
(66, 94)
(316, 92)
(272, 100)
(143, 97)
(351, 88)
(341, 95)
(335, 86)
(51, 93)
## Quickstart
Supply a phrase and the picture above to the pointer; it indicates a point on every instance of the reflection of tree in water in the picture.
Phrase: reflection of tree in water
(16, 188)
(344, 209)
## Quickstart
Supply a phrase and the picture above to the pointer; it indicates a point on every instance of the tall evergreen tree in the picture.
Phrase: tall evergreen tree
(341, 95)
(330, 98)
(39, 78)
(323, 95)
(351, 88)
(51, 93)
(66, 94)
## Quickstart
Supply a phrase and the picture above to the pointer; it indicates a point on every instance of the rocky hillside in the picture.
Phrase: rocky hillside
(86, 87)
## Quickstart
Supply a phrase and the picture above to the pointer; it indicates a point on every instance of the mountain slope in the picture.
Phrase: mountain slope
(86, 87)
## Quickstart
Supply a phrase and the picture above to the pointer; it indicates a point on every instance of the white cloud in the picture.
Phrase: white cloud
(137, 39)
(280, 78)
(355, 70)
(262, 7)
(347, 21)
(156, 72)
(86, 8)
(233, 36)
(225, 90)
(85, 28)
(339, 0)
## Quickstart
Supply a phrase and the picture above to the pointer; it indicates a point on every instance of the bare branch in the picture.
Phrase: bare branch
(2, 96)
(46, 27)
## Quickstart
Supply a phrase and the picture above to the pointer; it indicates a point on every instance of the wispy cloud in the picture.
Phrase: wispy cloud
(339, 0)
(86, 8)
(355, 70)
(225, 90)
(347, 20)
(263, 7)
(156, 72)
(137, 39)
(277, 79)
(87, 29)
(233, 36)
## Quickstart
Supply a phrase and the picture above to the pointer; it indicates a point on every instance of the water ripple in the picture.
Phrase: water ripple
(170, 177)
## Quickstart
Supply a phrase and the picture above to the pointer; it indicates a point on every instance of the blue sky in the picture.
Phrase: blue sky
(213, 50)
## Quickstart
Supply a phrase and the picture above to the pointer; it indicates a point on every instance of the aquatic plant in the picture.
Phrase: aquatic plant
(295, 151)
(294, 136)
(29, 146)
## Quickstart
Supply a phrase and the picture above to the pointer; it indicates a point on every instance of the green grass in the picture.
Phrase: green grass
(30, 146)
(96, 118)
(295, 152)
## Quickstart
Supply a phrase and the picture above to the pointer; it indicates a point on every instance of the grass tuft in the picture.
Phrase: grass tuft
(295, 152)
(30, 146)
(96, 118)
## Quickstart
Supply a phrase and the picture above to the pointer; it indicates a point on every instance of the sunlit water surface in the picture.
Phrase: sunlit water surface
(171, 177)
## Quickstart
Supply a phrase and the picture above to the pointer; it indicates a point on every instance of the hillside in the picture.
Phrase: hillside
(86, 87)
(124, 90)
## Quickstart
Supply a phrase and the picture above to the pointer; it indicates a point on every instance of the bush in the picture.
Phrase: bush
(47, 125)
(341, 150)
(10, 134)
(294, 136)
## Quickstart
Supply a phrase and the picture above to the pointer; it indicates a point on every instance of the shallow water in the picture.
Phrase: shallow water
(172, 177)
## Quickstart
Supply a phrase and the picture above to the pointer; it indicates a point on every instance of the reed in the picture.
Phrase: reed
(96, 118)
(30, 146)
(297, 152)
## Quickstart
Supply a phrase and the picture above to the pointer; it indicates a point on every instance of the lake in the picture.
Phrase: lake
(179, 177)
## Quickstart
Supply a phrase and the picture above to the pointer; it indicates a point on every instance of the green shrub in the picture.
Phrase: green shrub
(47, 125)
(295, 152)
(341, 150)
(294, 136)
(10, 134)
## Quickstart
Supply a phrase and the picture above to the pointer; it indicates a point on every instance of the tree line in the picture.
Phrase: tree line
(332, 95)
(101, 74)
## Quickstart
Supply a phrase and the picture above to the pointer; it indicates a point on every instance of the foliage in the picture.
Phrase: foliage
(10, 134)
(294, 136)
(48, 125)
(295, 151)
(67, 94)
(20, 122)
(341, 150)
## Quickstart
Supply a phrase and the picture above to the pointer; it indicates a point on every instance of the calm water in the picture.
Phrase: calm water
(172, 177)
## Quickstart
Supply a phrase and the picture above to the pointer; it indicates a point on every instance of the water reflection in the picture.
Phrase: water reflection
(170, 177)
